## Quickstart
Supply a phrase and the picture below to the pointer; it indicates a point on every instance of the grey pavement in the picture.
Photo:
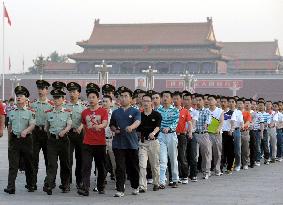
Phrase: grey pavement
(260, 185)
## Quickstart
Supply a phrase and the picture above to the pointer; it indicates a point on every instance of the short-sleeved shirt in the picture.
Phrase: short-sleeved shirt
(2, 111)
(40, 108)
(149, 123)
(257, 119)
(247, 117)
(227, 120)
(266, 118)
(237, 117)
(170, 117)
(204, 118)
(184, 118)
(20, 119)
(121, 119)
(76, 109)
(58, 120)
(91, 118)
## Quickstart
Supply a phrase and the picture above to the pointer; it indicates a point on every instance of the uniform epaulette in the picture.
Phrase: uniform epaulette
(48, 111)
(33, 101)
(29, 108)
(51, 102)
(68, 110)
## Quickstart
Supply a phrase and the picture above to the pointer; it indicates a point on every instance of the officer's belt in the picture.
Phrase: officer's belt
(19, 136)
(40, 127)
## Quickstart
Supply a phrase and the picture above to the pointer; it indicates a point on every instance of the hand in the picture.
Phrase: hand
(190, 135)
(129, 129)
(151, 136)
(231, 133)
(165, 130)
(24, 134)
(117, 131)
(96, 127)
(218, 131)
(78, 130)
(61, 134)
(205, 127)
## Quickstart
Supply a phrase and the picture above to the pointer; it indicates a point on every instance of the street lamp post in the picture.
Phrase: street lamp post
(15, 82)
(149, 73)
(189, 81)
(103, 73)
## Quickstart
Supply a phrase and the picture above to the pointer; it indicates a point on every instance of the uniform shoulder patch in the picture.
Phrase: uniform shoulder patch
(29, 108)
(48, 111)
(51, 102)
(68, 110)
(33, 101)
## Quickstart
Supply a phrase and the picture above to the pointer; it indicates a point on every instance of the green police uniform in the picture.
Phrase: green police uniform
(76, 139)
(58, 120)
(19, 120)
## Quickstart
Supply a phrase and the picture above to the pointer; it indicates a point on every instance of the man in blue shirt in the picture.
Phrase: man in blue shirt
(125, 144)
(168, 139)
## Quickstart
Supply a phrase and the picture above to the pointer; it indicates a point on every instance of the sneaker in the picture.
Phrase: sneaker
(180, 181)
(155, 188)
(185, 181)
(237, 168)
(95, 189)
(245, 167)
(273, 160)
(119, 194)
(135, 192)
(141, 190)
(174, 185)
(205, 175)
(194, 179)
(229, 172)
(278, 159)
(257, 164)
(218, 174)
(266, 161)
(161, 186)
(170, 183)
(149, 181)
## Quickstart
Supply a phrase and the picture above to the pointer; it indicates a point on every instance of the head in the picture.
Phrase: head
(224, 102)
(93, 98)
(254, 105)
(268, 105)
(276, 106)
(206, 101)
(58, 100)
(74, 94)
(280, 105)
(240, 104)
(106, 101)
(156, 99)
(187, 100)
(212, 101)
(218, 101)
(11, 101)
(232, 103)
(200, 100)
(261, 106)
(42, 91)
(166, 97)
(177, 99)
(248, 104)
(125, 98)
(139, 98)
(21, 99)
(147, 102)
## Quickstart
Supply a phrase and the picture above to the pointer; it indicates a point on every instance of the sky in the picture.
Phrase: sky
(40, 27)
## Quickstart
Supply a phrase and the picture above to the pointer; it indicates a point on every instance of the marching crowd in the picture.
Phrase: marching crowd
(142, 136)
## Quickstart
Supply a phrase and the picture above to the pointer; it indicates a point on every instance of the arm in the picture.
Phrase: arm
(221, 123)
(67, 128)
(2, 122)
(136, 123)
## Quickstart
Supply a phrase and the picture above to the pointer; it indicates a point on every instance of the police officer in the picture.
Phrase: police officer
(40, 106)
(57, 126)
(75, 134)
(109, 89)
(21, 124)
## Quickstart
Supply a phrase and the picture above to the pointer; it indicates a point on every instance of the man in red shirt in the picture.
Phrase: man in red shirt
(94, 120)
(183, 126)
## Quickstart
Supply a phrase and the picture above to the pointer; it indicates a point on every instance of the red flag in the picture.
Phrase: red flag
(6, 15)
(9, 63)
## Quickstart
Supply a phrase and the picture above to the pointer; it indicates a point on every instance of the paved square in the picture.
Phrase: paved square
(261, 185)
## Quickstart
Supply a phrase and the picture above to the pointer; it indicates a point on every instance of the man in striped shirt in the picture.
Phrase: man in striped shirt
(267, 121)
(168, 139)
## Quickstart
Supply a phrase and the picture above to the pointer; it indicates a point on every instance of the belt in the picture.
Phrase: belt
(202, 132)
(19, 135)
(181, 133)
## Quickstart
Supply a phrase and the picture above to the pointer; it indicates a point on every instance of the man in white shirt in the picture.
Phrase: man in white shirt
(215, 135)
(279, 128)
(237, 122)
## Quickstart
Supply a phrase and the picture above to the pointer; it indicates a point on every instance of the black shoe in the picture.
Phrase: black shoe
(101, 192)
(252, 166)
(170, 183)
(83, 192)
(174, 185)
(9, 191)
(48, 190)
(28, 187)
(155, 188)
(61, 187)
(31, 189)
(95, 189)
(66, 189)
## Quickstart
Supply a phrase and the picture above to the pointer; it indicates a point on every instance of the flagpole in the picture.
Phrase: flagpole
(3, 66)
